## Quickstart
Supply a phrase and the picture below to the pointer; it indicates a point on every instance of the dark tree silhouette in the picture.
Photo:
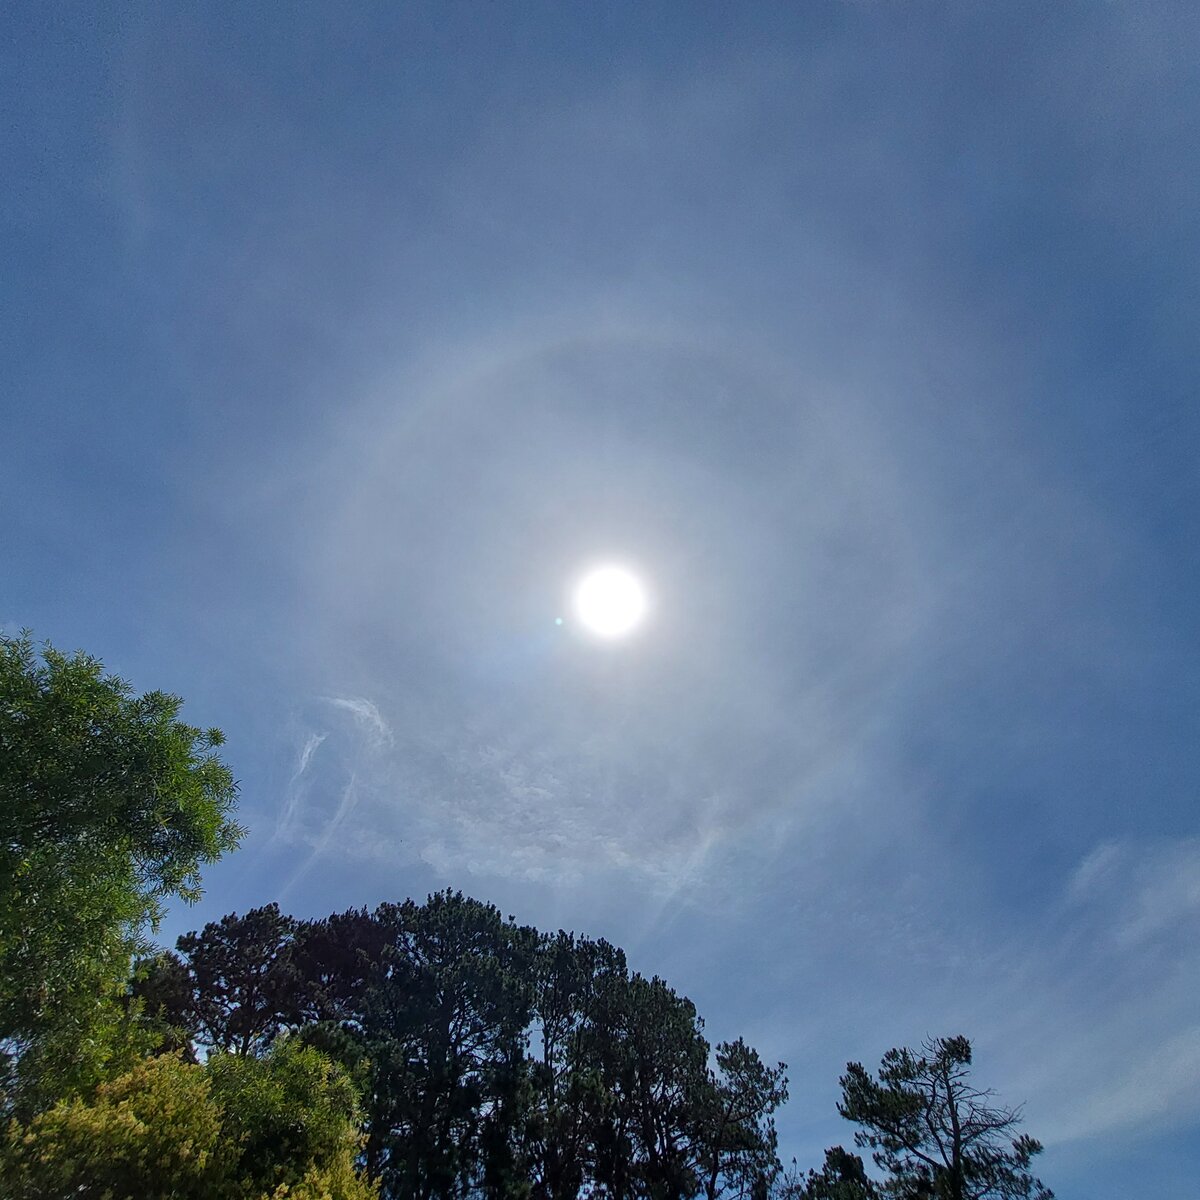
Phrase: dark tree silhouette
(935, 1133)
(242, 978)
(493, 1061)
(843, 1177)
(739, 1145)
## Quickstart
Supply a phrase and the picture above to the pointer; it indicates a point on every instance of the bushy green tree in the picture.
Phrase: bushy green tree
(161, 1002)
(236, 1128)
(936, 1134)
(292, 1114)
(649, 1058)
(153, 1132)
(109, 804)
(491, 1061)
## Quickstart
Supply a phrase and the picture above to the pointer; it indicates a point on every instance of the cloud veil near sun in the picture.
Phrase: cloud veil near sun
(785, 592)
(864, 347)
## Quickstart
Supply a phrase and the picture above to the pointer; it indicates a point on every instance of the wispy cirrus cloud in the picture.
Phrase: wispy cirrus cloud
(294, 791)
(1147, 889)
(1103, 1002)
(311, 743)
(322, 843)
(367, 715)
(351, 753)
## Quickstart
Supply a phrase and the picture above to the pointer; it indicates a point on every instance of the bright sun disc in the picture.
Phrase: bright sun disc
(610, 601)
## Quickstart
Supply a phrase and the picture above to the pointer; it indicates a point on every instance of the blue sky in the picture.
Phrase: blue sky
(335, 344)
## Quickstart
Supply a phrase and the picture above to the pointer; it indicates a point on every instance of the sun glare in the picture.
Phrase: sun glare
(610, 601)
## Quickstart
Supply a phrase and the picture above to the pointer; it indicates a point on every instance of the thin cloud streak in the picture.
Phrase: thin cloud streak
(367, 715)
(348, 800)
(306, 752)
(294, 792)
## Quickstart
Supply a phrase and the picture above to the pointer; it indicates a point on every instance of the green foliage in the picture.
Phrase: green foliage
(161, 999)
(289, 1114)
(236, 1128)
(492, 1060)
(934, 1133)
(645, 1050)
(154, 1132)
(108, 805)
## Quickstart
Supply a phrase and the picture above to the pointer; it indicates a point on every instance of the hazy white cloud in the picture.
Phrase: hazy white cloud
(1163, 895)
(1084, 1012)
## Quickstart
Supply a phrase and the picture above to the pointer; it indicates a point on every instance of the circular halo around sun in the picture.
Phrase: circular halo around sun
(610, 601)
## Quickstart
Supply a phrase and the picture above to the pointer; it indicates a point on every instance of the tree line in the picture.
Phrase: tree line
(433, 1051)
(495, 1060)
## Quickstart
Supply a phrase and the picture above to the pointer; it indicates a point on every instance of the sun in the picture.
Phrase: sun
(610, 601)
